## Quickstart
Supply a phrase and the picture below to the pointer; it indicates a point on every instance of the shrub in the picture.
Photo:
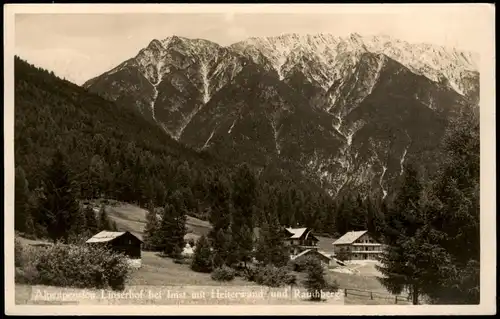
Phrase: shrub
(26, 257)
(297, 265)
(25, 271)
(223, 273)
(26, 275)
(79, 239)
(18, 253)
(74, 266)
(248, 273)
(176, 253)
(316, 281)
(274, 276)
(202, 258)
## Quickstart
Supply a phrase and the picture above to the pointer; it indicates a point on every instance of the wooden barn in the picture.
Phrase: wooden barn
(124, 242)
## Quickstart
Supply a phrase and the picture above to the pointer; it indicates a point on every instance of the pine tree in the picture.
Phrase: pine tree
(244, 202)
(78, 228)
(202, 258)
(404, 217)
(58, 207)
(403, 265)
(172, 231)
(374, 218)
(453, 216)
(359, 213)
(221, 244)
(104, 221)
(315, 281)
(220, 218)
(21, 196)
(90, 220)
(95, 172)
(346, 215)
(151, 229)
(270, 248)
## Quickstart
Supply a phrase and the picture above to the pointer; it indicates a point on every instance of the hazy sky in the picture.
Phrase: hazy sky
(81, 46)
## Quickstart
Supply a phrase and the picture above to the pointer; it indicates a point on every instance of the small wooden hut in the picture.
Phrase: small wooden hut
(124, 242)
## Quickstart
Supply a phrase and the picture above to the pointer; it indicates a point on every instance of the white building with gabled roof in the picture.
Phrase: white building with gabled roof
(358, 245)
(300, 239)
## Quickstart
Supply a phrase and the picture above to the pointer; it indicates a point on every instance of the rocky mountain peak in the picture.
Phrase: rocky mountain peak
(347, 112)
(155, 45)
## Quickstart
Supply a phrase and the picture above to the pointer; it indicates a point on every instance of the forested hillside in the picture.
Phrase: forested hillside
(114, 152)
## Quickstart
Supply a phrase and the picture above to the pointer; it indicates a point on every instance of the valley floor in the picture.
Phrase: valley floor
(164, 282)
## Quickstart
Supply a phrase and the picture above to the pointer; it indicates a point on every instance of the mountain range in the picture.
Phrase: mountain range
(346, 112)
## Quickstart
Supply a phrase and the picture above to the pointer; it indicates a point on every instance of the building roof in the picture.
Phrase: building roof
(106, 236)
(350, 237)
(308, 251)
(138, 235)
(296, 232)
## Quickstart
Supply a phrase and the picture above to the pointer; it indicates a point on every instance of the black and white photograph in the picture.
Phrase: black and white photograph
(282, 159)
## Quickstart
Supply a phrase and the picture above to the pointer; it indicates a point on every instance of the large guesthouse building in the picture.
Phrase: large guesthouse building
(357, 245)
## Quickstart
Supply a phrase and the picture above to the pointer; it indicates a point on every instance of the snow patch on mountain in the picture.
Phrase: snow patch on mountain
(206, 84)
(381, 181)
(276, 137)
(380, 63)
(287, 52)
(159, 67)
(401, 162)
(231, 128)
(208, 140)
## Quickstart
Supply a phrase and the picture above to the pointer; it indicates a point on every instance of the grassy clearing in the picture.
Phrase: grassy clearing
(132, 218)
(369, 283)
(158, 271)
(357, 282)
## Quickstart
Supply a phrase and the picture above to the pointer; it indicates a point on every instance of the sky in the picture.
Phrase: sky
(79, 46)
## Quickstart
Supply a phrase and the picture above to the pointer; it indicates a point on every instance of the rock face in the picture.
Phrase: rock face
(346, 112)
